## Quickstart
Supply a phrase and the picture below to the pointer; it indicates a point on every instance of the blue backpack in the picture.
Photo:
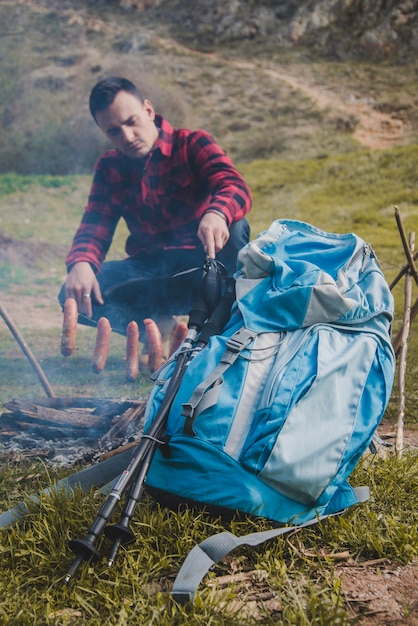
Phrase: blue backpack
(272, 416)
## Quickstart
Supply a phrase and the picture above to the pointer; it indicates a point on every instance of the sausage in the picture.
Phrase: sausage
(101, 349)
(69, 326)
(132, 351)
(155, 344)
(178, 337)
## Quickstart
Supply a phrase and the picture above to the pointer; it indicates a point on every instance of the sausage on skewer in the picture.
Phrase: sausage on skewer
(101, 349)
(69, 326)
(132, 351)
(155, 346)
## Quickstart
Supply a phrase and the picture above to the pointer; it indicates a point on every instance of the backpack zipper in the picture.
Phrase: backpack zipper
(257, 370)
(366, 251)
(286, 354)
(284, 349)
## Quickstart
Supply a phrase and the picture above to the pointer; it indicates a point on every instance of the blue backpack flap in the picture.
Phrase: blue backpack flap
(273, 415)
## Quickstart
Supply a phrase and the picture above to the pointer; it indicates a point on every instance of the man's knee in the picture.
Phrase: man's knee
(239, 234)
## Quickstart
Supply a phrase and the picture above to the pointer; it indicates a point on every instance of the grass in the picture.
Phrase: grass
(265, 125)
(349, 192)
(342, 192)
(35, 557)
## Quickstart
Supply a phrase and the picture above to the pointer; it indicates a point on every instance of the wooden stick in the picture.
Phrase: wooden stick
(403, 353)
(123, 422)
(28, 353)
(408, 252)
(402, 272)
(397, 342)
(119, 450)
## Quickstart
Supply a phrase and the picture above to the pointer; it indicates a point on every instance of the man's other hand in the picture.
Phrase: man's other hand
(82, 285)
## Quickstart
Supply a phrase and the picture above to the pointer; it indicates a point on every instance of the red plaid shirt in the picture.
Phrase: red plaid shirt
(162, 199)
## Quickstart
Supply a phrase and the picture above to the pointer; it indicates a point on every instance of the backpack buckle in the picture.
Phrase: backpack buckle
(188, 412)
(240, 340)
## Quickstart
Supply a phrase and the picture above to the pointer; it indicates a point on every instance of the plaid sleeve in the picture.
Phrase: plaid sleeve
(95, 233)
(231, 195)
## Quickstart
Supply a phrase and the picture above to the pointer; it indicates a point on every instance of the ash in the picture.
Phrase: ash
(66, 431)
(65, 451)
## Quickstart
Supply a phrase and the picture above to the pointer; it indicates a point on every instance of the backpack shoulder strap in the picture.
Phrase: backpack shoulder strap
(206, 393)
(213, 549)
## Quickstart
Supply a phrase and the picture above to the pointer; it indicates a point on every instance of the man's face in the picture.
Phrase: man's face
(129, 124)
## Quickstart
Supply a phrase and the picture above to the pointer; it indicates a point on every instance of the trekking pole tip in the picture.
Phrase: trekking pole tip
(114, 551)
(73, 568)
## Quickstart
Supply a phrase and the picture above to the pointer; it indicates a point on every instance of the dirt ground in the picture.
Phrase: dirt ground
(372, 128)
(387, 593)
(376, 593)
(384, 593)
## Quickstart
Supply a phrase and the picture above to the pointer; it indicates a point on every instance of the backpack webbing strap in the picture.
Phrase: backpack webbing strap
(212, 550)
(206, 394)
(91, 476)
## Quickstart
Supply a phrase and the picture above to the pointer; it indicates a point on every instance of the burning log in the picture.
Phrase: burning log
(121, 424)
(119, 450)
(66, 419)
(93, 419)
(12, 456)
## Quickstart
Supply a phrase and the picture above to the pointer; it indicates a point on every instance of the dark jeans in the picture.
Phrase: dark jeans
(157, 285)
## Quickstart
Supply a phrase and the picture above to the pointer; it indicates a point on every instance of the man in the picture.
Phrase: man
(181, 198)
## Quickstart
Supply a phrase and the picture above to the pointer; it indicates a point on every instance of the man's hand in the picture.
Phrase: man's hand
(82, 285)
(213, 233)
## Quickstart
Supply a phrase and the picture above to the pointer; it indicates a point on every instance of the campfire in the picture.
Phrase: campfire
(68, 430)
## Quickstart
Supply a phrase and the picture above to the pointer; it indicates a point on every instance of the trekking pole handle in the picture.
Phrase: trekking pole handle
(208, 294)
(220, 316)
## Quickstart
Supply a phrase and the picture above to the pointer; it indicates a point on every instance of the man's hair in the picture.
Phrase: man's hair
(106, 90)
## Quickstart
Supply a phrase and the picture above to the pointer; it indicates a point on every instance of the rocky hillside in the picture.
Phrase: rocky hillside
(357, 29)
(268, 78)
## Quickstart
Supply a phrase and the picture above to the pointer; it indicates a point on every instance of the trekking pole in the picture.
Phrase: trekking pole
(86, 548)
(120, 533)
